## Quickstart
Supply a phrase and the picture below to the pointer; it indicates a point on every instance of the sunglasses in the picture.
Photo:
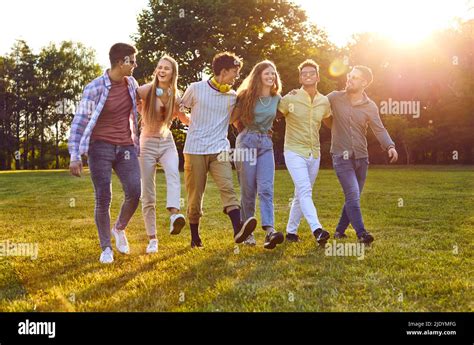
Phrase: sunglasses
(353, 77)
(309, 74)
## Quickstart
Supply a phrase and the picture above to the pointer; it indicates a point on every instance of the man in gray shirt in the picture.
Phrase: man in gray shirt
(352, 112)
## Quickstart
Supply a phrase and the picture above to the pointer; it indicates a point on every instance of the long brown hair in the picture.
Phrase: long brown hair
(150, 116)
(251, 87)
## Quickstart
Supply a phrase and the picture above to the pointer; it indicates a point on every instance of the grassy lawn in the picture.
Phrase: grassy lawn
(422, 259)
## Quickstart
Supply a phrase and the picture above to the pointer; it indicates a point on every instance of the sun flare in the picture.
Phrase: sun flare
(403, 21)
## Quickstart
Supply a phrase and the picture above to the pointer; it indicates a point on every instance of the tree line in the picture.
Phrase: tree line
(425, 92)
(38, 93)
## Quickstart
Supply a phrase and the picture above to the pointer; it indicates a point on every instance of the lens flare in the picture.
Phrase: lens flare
(338, 68)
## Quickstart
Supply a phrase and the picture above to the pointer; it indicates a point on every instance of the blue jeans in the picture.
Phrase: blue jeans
(256, 175)
(102, 158)
(351, 174)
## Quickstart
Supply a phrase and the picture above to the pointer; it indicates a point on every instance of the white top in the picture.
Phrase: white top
(209, 120)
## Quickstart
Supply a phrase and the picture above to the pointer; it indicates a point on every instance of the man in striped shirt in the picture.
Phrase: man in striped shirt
(211, 103)
(105, 129)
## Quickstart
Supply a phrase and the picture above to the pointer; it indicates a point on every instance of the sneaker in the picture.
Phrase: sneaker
(292, 238)
(107, 256)
(366, 238)
(250, 241)
(272, 239)
(339, 235)
(121, 241)
(152, 246)
(246, 230)
(322, 236)
(177, 222)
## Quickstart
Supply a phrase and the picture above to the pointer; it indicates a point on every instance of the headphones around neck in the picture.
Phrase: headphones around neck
(159, 92)
(224, 88)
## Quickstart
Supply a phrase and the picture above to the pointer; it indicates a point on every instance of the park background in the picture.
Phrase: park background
(419, 210)
(39, 90)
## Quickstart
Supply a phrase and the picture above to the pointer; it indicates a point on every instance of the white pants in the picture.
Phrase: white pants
(303, 171)
(162, 151)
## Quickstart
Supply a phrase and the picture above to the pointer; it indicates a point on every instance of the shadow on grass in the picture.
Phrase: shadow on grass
(200, 276)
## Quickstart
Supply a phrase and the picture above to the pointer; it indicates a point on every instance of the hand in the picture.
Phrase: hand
(140, 106)
(75, 167)
(393, 154)
(293, 92)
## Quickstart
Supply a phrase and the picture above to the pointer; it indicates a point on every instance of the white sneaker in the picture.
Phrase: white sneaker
(177, 222)
(250, 241)
(121, 241)
(107, 256)
(152, 246)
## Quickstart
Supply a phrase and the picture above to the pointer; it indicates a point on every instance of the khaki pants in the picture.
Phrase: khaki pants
(196, 168)
(162, 151)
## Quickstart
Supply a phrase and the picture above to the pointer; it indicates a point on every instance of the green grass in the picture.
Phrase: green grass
(412, 266)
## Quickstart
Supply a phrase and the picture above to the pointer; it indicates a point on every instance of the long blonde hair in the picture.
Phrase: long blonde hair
(249, 90)
(150, 116)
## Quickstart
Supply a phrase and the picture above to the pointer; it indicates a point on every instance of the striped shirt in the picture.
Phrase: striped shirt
(209, 120)
(89, 109)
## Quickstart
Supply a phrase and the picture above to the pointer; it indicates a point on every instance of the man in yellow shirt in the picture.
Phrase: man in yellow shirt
(304, 110)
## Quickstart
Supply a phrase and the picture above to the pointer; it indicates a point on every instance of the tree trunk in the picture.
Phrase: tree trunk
(41, 160)
(407, 152)
(57, 145)
(25, 145)
(33, 147)
(17, 153)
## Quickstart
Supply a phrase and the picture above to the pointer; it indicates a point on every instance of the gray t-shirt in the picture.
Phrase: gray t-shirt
(349, 125)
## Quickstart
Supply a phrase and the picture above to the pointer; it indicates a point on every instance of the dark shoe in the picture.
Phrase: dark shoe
(321, 236)
(272, 239)
(339, 235)
(245, 230)
(292, 238)
(366, 238)
(196, 243)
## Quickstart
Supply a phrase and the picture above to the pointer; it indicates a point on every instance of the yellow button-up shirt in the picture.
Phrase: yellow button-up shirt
(303, 121)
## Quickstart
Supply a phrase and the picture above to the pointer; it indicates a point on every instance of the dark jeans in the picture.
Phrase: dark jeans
(351, 174)
(103, 157)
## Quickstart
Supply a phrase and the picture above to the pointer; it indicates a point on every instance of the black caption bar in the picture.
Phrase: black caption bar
(236, 328)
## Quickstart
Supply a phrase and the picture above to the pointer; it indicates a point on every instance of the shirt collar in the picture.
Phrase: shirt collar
(316, 96)
(108, 82)
(365, 98)
(106, 77)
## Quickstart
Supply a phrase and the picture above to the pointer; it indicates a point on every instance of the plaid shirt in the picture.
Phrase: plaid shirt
(89, 109)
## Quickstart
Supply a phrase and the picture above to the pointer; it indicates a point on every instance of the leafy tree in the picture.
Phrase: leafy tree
(63, 70)
(194, 31)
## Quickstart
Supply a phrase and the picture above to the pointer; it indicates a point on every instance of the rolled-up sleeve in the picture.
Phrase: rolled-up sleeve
(80, 121)
(378, 128)
(188, 98)
(283, 105)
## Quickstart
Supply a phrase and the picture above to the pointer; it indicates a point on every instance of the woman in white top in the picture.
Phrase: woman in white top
(158, 108)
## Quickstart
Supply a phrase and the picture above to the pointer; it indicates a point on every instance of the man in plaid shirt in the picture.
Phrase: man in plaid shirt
(105, 129)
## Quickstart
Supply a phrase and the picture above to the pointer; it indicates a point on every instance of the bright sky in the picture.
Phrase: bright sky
(94, 23)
